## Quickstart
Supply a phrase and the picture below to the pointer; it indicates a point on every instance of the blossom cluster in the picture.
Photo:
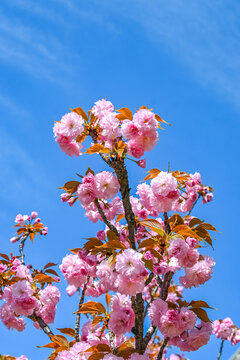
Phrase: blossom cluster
(29, 225)
(23, 299)
(226, 330)
(164, 193)
(139, 132)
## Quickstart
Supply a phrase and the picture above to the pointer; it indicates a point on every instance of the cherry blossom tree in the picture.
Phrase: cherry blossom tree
(150, 249)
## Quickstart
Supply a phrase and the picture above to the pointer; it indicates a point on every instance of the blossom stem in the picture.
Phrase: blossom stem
(103, 216)
(193, 205)
(81, 300)
(220, 350)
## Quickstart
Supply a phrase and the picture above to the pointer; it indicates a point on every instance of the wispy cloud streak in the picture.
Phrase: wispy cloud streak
(203, 35)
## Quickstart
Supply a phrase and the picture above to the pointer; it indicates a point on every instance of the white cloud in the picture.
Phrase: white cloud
(203, 35)
(34, 50)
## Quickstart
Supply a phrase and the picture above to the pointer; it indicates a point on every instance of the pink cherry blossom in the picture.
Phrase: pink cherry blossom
(198, 274)
(101, 107)
(70, 126)
(107, 185)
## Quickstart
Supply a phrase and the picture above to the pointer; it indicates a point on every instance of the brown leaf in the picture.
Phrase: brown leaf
(5, 256)
(51, 271)
(147, 243)
(51, 345)
(108, 299)
(99, 347)
(42, 278)
(97, 320)
(158, 118)
(71, 186)
(126, 113)
(75, 251)
(98, 148)
(50, 264)
(111, 235)
(31, 235)
(185, 231)
(92, 243)
(80, 112)
(114, 244)
(201, 314)
(60, 339)
(199, 303)
(195, 221)
(119, 217)
(152, 175)
(81, 138)
(148, 264)
(96, 356)
(67, 331)
(154, 225)
(91, 307)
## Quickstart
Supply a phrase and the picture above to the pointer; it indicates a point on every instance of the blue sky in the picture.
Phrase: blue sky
(180, 58)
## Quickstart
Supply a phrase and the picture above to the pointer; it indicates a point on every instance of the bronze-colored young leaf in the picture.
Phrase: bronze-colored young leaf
(108, 299)
(60, 339)
(91, 307)
(51, 345)
(81, 138)
(199, 303)
(5, 256)
(111, 235)
(153, 225)
(160, 119)
(50, 264)
(98, 148)
(51, 271)
(71, 186)
(126, 113)
(152, 174)
(80, 112)
(147, 243)
(201, 314)
(119, 217)
(89, 245)
(67, 331)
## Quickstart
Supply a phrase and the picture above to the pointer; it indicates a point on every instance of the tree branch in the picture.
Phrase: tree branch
(111, 340)
(103, 216)
(122, 175)
(42, 324)
(81, 300)
(220, 350)
(160, 354)
(21, 246)
(148, 336)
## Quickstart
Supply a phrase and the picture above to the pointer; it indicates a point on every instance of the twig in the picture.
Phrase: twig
(220, 350)
(107, 222)
(148, 337)
(149, 279)
(81, 300)
(165, 286)
(21, 246)
(160, 354)
(193, 205)
(111, 340)
(42, 324)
